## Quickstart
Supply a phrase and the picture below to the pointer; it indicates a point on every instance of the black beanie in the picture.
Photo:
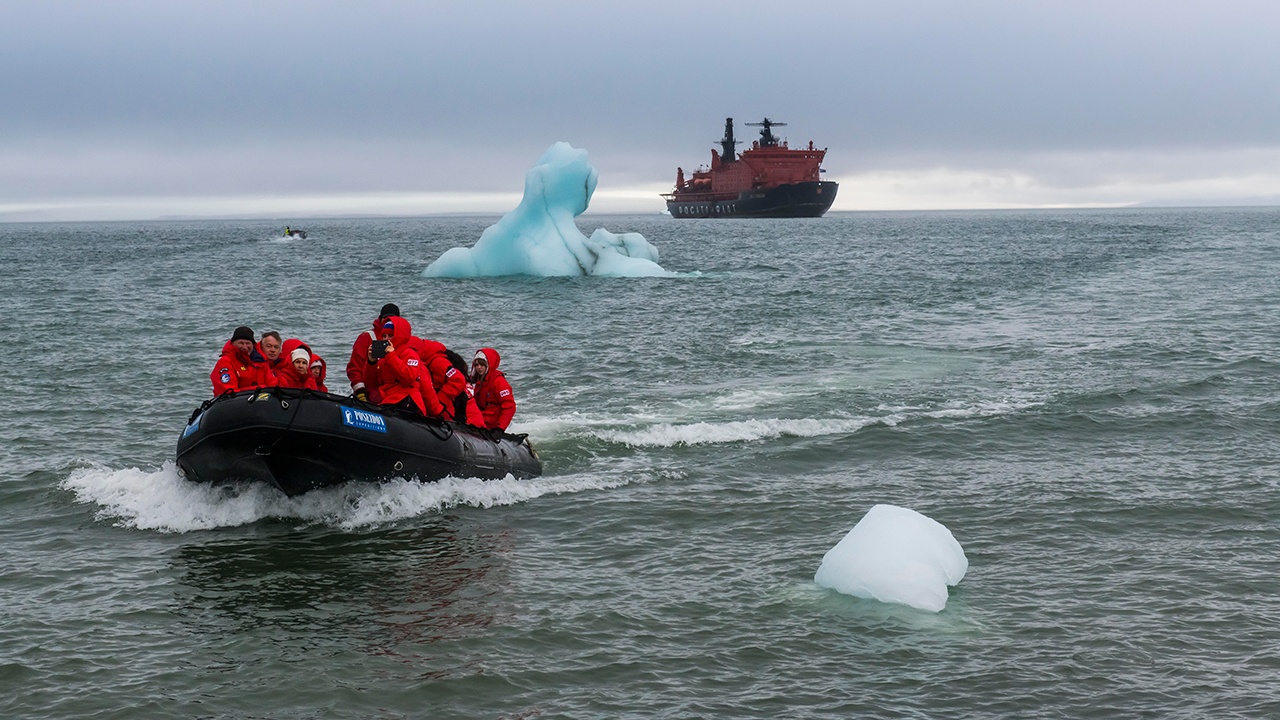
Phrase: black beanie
(389, 310)
(242, 333)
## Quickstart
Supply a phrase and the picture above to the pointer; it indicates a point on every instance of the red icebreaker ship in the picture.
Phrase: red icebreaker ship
(768, 180)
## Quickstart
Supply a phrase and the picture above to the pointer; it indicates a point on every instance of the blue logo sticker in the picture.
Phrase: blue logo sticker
(364, 420)
(194, 426)
(226, 377)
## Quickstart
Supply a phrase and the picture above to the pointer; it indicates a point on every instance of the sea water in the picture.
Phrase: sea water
(1087, 400)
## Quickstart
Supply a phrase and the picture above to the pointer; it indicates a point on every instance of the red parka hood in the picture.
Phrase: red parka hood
(400, 333)
(286, 350)
(286, 354)
(427, 347)
(491, 356)
(324, 366)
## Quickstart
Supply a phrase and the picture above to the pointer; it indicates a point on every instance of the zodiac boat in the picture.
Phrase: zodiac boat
(300, 440)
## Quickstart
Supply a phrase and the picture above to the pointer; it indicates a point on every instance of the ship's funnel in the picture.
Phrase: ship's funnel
(727, 153)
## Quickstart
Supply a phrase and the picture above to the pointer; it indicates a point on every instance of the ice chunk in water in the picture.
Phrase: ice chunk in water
(895, 555)
(540, 238)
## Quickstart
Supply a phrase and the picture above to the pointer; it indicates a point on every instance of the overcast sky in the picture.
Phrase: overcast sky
(146, 109)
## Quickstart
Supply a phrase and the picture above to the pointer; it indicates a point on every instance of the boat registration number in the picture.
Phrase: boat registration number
(364, 420)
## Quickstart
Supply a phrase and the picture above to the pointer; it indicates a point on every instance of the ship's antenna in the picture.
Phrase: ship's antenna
(727, 153)
(767, 138)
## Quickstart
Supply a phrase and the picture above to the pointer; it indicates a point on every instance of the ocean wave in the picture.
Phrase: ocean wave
(667, 434)
(547, 428)
(960, 410)
(709, 433)
(163, 501)
(740, 400)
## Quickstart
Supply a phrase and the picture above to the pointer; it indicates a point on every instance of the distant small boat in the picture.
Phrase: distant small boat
(290, 232)
(301, 440)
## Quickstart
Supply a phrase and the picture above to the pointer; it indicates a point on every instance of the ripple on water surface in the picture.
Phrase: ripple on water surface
(1085, 399)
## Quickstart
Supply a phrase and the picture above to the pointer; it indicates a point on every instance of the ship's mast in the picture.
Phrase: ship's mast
(767, 138)
(727, 153)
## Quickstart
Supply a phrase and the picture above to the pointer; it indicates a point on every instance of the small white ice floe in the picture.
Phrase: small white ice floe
(895, 555)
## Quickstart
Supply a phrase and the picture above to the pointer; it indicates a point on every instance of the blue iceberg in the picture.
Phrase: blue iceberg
(540, 238)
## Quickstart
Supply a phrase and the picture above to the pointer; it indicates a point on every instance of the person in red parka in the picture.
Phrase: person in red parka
(474, 417)
(447, 381)
(296, 371)
(319, 369)
(270, 349)
(236, 370)
(430, 399)
(395, 375)
(360, 355)
(493, 392)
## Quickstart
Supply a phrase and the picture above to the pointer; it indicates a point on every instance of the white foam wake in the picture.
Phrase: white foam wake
(706, 433)
(161, 500)
(668, 434)
(575, 424)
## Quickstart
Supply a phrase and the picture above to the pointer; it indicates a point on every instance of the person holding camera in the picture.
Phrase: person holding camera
(395, 370)
(359, 361)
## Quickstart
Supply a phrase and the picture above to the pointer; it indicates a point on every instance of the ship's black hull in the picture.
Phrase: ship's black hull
(300, 440)
(806, 199)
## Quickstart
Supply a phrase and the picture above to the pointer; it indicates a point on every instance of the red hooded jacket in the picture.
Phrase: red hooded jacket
(396, 376)
(324, 371)
(235, 371)
(493, 394)
(447, 381)
(430, 400)
(475, 418)
(288, 375)
(359, 361)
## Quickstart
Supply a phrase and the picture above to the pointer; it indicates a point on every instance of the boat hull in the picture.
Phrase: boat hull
(301, 440)
(796, 200)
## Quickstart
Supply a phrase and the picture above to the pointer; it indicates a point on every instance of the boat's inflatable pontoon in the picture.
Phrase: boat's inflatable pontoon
(300, 440)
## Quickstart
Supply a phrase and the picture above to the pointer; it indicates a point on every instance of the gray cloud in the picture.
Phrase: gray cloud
(143, 98)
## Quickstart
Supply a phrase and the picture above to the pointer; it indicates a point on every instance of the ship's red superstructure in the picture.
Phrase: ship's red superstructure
(769, 179)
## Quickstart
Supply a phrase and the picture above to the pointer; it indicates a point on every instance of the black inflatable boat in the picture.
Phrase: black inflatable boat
(300, 440)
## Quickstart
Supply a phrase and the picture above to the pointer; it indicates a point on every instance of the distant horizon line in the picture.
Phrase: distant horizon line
(286, 221)
(935, 191)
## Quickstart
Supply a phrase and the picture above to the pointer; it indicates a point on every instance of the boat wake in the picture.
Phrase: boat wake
(161, 500)
(671, 434)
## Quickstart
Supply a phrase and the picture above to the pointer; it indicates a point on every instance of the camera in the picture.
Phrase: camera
(379, 349)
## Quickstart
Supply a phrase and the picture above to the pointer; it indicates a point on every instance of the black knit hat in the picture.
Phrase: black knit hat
(242, 333)
(389, 310)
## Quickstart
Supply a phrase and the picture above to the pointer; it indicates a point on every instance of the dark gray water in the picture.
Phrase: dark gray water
(1087, 400)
